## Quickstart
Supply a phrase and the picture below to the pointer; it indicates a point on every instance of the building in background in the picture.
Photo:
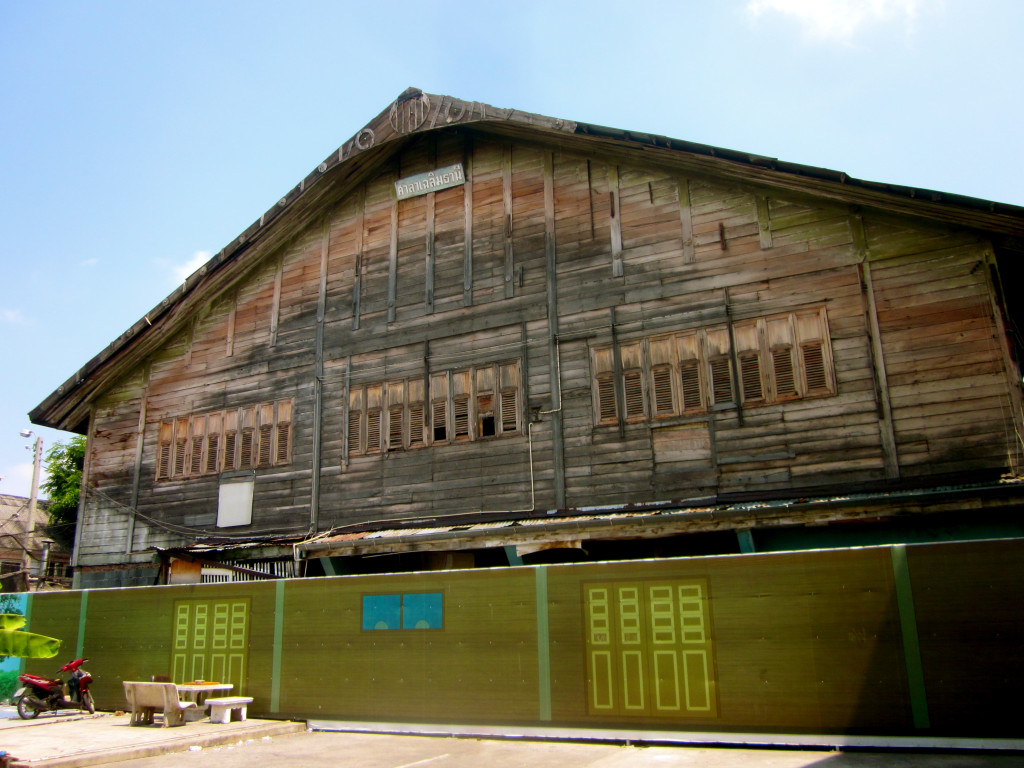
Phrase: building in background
(476, 336)
(28, 559)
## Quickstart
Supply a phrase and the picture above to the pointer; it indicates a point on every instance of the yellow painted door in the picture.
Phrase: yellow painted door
(649, 649)
(211, 641)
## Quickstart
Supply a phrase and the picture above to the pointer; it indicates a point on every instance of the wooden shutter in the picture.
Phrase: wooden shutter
(247, 438)
(604, 381)
(265, 449)
(213, 431)
(509, 397)
(180, 446)
(460, 404)
(439, 407)
(688, 347)
(417, 435)
(719, 365)
(396, 415)
(374, 397)
(230, 440)
(283, 429)
(814, 368)
(195, 464)
(662, 359)
(748, 348)
(165, 447)
(816, 362)
(780, 343)
(486, 425)
(355, 420)
(632, 380)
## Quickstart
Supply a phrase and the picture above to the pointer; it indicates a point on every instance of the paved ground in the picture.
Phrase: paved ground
(75, 741)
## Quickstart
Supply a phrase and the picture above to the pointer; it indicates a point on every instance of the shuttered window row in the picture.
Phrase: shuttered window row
(469, 404)
(249, 437)
(775, 358)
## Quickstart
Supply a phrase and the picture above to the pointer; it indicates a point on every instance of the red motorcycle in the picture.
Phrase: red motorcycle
(41, 694)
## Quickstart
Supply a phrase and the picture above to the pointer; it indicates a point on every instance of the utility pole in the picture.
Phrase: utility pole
(30, 523)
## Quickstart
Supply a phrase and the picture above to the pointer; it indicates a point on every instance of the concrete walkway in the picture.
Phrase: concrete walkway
(72, 740)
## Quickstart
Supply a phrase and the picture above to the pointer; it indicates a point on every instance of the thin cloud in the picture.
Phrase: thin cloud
(182, 271)
(90, 262)
(837, 21)
(12, 317)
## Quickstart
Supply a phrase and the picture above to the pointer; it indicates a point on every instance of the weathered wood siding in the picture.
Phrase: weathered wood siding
(459, 277)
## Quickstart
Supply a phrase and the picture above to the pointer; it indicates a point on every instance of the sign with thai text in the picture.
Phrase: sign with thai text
(431, 181)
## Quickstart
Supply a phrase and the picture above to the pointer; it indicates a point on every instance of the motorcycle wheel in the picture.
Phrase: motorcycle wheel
(25, 710)
(88, 703)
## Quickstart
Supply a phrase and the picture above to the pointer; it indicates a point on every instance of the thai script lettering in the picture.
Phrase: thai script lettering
(431, 181)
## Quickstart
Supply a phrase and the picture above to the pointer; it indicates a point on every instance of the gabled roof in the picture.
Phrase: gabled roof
(415, 112)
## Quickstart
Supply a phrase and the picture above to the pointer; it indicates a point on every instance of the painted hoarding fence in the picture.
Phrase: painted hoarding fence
(837, 641)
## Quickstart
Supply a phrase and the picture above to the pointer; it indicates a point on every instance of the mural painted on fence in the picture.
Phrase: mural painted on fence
(10, 667)
(211, 641)
(649, 649)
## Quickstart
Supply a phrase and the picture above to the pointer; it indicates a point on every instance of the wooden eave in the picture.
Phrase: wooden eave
(67, 408)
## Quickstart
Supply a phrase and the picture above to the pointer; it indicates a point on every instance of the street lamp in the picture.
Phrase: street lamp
(30, 524)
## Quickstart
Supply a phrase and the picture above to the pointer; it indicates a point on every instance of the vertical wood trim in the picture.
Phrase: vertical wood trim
(318, 379)
(524, 377)
(543, 645)
(348, 404)
(557, 445)
(83, 496)
(467, 240)
(275, 309)
(137, 471)
(506, 192)
(685, 219)
(890, 454)
(191, 340)
(357, 284)
(911, 641)
(278, 647)
(737, 385)
(429, 275)
(764, 222)
(393, 259)
(615, 215)
(619, 385)
(229, 347)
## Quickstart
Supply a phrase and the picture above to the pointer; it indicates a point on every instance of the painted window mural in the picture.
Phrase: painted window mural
(211, 641)
(416, 610)
(649, 649)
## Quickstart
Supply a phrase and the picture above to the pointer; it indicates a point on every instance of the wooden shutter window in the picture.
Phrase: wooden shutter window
(180, 444)
(782, 368)
(395, 425)
(374, 430)
(663, 405)
(165, 444)
(509, 411)
(230, 440)
(246, 455)
(750, 372)
(814, 368)
(439, 420)
(283, 452)
(721, 380)
(416, 423)
(606, 397)
(460, 416)
(634, 390)
(355, 419)
(212, 444)
(689, 377)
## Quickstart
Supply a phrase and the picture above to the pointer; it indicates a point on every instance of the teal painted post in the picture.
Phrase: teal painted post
(543, 646)
(83, 609)
(911, 642)
(275, 672)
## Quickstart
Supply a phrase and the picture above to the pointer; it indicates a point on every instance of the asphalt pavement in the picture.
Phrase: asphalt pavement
(75, 740)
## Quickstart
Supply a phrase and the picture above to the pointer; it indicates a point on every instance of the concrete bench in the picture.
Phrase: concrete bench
(227, 708)
(146, 699)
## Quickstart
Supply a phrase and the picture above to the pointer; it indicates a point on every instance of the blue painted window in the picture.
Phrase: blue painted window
(420, 610)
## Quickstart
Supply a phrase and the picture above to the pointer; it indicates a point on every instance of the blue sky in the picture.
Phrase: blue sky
(138, 138)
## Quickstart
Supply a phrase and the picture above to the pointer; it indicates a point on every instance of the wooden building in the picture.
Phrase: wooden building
(475, 335)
